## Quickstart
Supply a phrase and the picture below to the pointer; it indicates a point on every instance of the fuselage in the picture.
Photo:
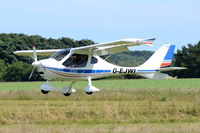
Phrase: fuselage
(65, 65)
(52, 69)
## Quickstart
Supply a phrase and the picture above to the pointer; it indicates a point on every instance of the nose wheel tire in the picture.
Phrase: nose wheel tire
(44, 92)
(89, 93)
(67, 94)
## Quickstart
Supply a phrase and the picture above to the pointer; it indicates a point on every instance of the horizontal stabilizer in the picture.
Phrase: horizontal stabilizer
(154, 75)
(158, 75)
(171, 69)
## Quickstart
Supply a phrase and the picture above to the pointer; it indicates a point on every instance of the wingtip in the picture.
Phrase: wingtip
(16, 52)
(149, 42)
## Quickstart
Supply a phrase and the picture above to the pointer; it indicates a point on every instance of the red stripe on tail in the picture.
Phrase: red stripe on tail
(165, 64)
(148, 43)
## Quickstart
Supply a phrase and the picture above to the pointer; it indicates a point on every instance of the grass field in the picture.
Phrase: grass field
(121, 106)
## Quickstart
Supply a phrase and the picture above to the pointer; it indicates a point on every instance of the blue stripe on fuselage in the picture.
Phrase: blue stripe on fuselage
(89, 70)
(170, 53)
(78, 70)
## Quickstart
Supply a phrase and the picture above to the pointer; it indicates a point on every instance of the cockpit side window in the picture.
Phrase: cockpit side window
(93, 60)
(76, 60)
(60, 54)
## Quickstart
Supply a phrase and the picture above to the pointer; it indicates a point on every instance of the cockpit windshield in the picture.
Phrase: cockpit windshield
(76, 60)
(60, 54)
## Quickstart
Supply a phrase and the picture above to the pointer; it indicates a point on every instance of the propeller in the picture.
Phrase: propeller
(35, 63)
(34, 53)
(33, 69)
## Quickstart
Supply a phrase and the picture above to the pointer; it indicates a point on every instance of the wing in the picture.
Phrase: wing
(111, 47)
(47, 52)
(97, 49)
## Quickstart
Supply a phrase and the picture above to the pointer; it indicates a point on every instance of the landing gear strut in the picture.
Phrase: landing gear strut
(89, 89)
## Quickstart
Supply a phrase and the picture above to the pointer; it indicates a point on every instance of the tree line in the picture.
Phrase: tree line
(188, 56)
(18, 68)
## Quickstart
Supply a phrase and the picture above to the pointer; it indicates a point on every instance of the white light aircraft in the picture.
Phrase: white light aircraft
(85, 63)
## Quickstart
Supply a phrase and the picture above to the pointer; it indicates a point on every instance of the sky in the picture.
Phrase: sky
(170, 21)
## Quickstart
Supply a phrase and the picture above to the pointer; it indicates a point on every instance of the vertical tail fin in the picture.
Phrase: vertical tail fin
(161, 58)
(157, 63)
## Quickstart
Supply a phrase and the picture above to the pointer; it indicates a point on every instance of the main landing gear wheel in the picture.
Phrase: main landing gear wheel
(89, 93)
(67, 94)
(44, 92)
(46, 87)
(89, 89)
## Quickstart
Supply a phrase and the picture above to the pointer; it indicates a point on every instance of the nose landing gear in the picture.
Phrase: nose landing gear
(67, 90)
